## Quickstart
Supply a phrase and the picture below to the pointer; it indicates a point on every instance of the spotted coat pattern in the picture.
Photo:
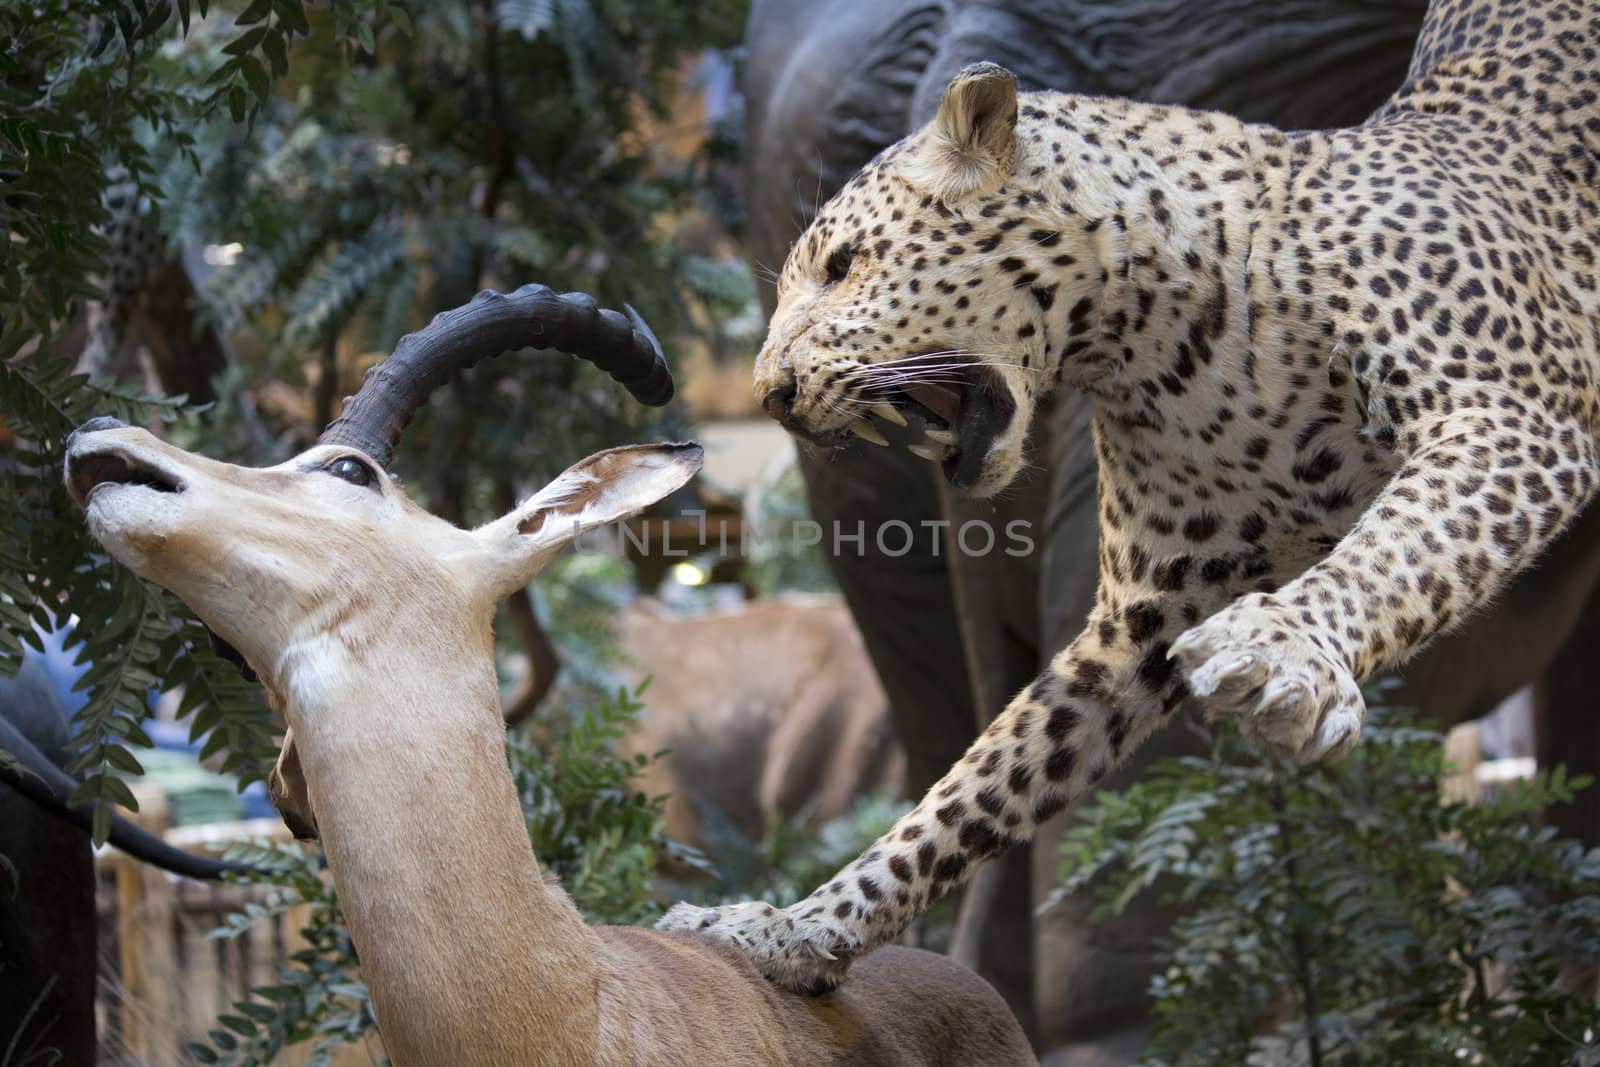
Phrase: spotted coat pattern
(1344, 386)
(135, 255)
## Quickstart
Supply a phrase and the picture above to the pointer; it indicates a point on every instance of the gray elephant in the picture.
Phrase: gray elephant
(831, 82)
(47, 911)
(47, 884)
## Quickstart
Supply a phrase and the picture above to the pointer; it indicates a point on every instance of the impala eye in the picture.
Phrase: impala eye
(839, 263)
(352, 470)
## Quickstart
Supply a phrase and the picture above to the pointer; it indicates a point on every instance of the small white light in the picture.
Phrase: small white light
(223, 255)
(689, 574)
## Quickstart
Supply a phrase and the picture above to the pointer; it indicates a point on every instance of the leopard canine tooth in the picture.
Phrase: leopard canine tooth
(928, 452)
(886, 411)
(864, 430)
(942, 437)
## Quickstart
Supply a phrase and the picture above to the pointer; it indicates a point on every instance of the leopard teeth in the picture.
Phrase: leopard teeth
(943, 437)
(928, 452)
(887, 413)
(864, 430)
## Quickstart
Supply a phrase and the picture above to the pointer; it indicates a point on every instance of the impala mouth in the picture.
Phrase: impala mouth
(88, 474)
(953, 422)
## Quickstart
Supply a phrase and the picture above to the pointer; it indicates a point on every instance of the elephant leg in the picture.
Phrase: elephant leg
(47, 914)
(827, 85)
(1091, 980)
(47, 935)
(1543, 630)
(1567, 724)
(903, 604)
(995, 550)
(1081, 988)
(994, 933)
(938, 655)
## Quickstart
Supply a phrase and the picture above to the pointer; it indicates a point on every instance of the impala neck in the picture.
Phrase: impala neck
(469, 955)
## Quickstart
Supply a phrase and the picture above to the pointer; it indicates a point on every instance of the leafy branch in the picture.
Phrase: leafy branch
(1403, 928)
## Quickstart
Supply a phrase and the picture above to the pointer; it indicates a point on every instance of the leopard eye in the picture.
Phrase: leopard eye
(352, 470)
(839, 263)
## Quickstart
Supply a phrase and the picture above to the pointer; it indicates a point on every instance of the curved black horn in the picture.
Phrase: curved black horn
(534, 316)
(49, 786)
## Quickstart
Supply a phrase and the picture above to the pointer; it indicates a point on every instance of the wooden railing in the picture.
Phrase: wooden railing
(163, 981)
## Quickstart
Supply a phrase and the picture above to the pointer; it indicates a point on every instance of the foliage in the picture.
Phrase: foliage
(319, 996)
(81, 95)
(72, 89)
(587, 821)
(347, 174)
(140, 639)
(577, 598)
(80, 98)
(498, 143)
(795, 854)
(1348, 915)
(588, 824)
(366, 172)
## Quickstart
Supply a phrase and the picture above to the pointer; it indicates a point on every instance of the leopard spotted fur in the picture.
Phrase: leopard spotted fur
(1344, 388)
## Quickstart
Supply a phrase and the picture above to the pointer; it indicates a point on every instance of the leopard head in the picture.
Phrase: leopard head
(916, 303)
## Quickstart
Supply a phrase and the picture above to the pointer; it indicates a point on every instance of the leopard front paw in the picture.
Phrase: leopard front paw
(1250, 662)
(801, 955)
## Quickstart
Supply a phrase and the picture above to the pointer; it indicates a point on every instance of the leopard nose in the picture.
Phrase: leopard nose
(779, 401)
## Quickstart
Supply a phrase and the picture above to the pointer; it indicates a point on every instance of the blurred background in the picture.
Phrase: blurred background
(222, 214)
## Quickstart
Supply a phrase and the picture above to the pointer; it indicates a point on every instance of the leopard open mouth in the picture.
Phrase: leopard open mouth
(952, 421)
(97, 470)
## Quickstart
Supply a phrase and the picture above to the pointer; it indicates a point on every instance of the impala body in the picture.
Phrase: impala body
(368, 621)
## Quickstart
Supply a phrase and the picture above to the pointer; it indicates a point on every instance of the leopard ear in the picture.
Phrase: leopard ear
(971, 144)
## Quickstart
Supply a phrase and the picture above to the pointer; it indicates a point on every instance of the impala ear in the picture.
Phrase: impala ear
(972, 143)
(593, 492)
(286, 787)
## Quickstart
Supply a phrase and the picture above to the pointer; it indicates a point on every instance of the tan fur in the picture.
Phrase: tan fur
(972, 143)
(368, 621)
(801, 727)
(286, 786)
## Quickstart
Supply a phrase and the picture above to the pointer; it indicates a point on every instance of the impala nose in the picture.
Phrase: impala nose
(95, 425)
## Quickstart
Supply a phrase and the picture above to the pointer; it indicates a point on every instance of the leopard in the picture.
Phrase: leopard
(147, 323)
(1343, 385)
(136, 255)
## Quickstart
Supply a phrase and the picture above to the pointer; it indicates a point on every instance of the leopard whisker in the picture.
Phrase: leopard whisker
(918, 357)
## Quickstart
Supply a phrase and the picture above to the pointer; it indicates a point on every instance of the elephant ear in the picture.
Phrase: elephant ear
(971, 145)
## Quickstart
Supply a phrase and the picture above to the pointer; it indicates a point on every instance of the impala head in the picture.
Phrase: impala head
(903, 297)
(324, 554)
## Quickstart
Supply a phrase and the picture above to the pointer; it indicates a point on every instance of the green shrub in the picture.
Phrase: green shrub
(1346, 915)
(794, 854)
(361, 164)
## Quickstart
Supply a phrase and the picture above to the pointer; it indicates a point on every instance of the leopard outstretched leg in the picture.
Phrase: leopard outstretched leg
(1474, 503)
(1098, 700)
